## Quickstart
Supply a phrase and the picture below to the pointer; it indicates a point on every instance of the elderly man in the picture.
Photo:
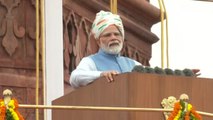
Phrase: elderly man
(108, 31)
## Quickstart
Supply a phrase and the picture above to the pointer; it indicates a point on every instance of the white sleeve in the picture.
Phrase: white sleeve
(85, 73)
(137, 63)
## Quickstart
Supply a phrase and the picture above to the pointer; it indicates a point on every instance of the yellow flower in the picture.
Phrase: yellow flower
(1, 103)
(12, 108)
(178, 115)
(15, 116)
(189, 107)
(11, 104)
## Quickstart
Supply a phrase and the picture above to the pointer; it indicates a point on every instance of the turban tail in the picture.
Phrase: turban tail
(103, 20)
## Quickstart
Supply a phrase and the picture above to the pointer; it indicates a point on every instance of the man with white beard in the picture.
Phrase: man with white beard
(108, 31)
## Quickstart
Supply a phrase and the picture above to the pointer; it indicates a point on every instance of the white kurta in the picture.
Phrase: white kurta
(86, 72)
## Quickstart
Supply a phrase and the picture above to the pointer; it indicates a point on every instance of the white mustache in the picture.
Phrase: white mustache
(113, 42)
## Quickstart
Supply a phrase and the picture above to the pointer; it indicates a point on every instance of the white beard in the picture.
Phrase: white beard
(114, 49)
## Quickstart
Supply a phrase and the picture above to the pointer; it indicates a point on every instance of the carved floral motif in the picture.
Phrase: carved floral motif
(77, 41)
(10, 29)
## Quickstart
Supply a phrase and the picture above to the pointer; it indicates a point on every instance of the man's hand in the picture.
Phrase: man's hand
(109, 75)
(196, 72)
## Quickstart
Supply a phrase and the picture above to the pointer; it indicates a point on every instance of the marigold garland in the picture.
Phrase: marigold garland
(2, 110)
(179, 114)
(12, 110)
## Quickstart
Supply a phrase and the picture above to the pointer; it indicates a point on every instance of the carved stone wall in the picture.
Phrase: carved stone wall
(17, 51)
(138, 17)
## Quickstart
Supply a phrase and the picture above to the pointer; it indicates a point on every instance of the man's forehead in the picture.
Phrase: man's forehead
(111, 29)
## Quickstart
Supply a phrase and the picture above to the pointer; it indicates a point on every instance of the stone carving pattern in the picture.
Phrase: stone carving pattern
(10, 29)
(11, 32)
(133, 53)
(76, 41)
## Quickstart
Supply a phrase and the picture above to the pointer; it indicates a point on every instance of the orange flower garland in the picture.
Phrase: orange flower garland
(13, 108)
(16, 110)
(2, 110)
(178, 112)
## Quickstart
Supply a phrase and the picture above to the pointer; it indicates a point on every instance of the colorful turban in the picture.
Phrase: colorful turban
(103, 20)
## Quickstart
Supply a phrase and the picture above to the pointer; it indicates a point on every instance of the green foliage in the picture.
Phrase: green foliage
(9, 115)
(138, 68)
(169, 71)
(166, 71)
(159, 70)
(178, 72)
(188, 72)
(148, 69)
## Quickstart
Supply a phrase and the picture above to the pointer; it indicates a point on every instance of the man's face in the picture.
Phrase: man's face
(111, 40)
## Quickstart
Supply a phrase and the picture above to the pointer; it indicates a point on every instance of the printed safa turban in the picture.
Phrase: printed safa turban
(103, 20)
